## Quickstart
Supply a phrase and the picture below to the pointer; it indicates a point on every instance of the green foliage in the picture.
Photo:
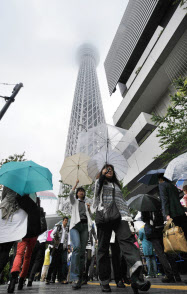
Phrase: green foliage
(15, 157)
(5, 274)
(182, 3)
(172, 128)
(124, 190)
(60, 213)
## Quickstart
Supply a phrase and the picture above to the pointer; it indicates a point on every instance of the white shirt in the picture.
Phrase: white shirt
(43, 237)
(15, 228)
(63, 235)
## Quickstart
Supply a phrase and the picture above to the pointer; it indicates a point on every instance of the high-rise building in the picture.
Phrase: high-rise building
(147, 53)
(87, 109)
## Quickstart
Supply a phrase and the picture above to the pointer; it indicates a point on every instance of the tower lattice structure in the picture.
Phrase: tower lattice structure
(87, 109)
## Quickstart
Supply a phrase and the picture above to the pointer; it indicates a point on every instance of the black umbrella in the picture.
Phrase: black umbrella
(144, 202)
(151, 177)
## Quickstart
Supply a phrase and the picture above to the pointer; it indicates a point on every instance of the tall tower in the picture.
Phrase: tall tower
(87, 109)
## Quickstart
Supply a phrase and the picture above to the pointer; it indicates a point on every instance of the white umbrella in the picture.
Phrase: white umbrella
(75, 167)
(177, 168)
(101, 158)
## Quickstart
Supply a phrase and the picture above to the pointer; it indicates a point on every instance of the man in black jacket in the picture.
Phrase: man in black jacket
(171, 206)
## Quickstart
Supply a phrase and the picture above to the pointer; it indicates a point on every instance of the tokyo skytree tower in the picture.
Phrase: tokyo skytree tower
(87, 109)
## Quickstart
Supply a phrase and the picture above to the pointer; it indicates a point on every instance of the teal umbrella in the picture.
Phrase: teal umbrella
(25, 177)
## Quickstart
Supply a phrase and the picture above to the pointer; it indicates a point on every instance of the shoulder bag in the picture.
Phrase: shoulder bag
(109, 215)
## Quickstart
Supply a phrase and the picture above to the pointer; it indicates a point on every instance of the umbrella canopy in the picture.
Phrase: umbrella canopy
(101, 158)
(177, 168)
(75, 167)
(144, 202)
(25, 177)
(105, 137)
(181, 183)
(151, 177)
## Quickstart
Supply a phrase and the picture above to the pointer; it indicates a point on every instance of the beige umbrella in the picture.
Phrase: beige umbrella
(75, 167)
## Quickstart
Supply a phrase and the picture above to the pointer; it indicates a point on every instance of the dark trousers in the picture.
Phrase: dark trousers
(4, 254)
(88, 262)
(58, 264)
(37, 259)
(127, 247)
(167, 260)
(116, 261)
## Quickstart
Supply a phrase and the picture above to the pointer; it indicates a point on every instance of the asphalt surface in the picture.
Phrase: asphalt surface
(93, 287)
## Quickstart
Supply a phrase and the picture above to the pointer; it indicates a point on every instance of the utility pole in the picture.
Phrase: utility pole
(10, 99)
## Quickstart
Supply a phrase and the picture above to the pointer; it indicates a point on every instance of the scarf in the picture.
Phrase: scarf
(9, 204)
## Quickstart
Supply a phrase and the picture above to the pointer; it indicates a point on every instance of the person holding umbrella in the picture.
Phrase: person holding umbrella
(107, 190)
(80, 225)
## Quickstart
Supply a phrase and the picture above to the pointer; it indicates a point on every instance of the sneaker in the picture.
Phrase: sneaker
(148, 277)
(168, 279)
(29, 284)
(64, 282)
(47, 282)
(76, 285)
(105, 288)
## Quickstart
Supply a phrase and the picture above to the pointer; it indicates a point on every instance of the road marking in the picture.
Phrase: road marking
(169, 287)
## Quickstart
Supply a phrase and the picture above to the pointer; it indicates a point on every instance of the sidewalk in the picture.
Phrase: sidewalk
(93, 287)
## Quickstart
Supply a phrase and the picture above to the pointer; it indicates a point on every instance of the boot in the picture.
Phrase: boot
(20, 284)
(138, 282)
(13, 279)
(169, 279)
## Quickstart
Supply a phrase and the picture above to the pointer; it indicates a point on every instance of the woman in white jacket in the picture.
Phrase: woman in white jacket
(80, 225)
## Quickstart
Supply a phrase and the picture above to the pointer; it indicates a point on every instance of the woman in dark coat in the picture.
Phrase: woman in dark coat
(154, 224)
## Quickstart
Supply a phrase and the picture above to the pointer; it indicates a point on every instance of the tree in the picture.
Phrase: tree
(172, 128)
(15, 157)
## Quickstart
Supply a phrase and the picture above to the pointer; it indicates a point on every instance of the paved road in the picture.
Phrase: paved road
(40, 288)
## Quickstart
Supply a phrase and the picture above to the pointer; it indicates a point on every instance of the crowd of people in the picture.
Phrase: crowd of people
(81, 249)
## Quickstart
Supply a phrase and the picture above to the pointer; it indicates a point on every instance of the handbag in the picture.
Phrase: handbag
(43, 223)
(109, 215)
(173, 238)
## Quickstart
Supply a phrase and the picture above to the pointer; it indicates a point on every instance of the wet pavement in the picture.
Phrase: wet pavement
(94, 287)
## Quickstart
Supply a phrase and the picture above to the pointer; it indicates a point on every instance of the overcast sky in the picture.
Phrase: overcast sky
(39, 39)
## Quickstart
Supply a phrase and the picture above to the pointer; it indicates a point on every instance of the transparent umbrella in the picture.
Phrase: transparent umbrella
(105, 137)
(177, 168)
(97, 162)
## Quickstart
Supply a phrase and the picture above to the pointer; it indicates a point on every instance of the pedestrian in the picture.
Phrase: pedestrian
(154, 225)
(46, 264)
(61, 241)
(26, 246)
(106, 187)
(38, 255)
(149, 254)
(80, 225)
(171, 206)
(13, 224)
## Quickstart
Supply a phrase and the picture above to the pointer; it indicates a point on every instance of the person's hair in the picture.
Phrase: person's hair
(113, 179)
(185, 187)
(65, 217)
(146, 216)
(161, 176)
(80, 189)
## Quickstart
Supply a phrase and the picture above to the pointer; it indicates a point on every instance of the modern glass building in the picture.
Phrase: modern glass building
(87, 109)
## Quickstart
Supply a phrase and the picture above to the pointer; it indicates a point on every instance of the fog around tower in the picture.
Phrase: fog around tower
(39, 43)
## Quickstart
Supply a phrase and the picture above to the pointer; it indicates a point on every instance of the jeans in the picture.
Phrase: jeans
(79, 239)
(151, 265)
